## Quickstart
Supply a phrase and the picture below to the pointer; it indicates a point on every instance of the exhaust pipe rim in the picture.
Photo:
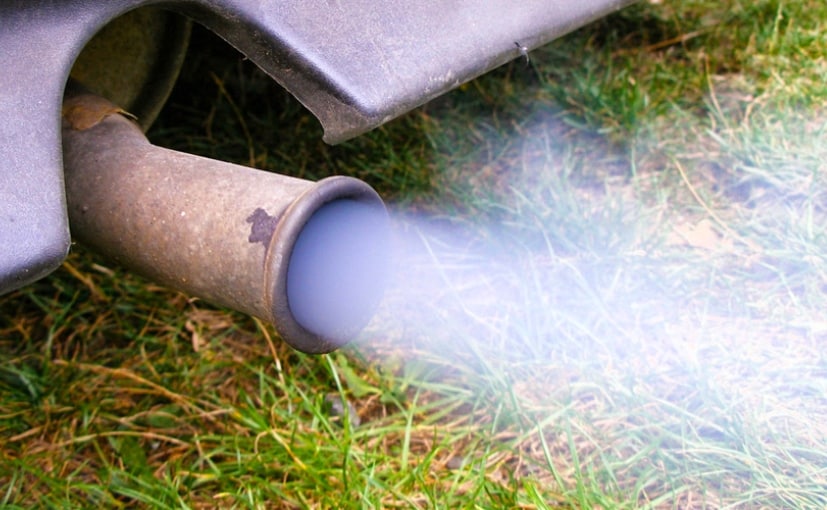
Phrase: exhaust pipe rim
(285, 236)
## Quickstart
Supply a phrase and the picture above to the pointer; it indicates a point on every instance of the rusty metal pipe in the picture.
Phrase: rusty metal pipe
(307, 257)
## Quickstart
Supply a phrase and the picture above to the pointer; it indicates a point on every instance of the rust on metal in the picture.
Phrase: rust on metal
(88, 110)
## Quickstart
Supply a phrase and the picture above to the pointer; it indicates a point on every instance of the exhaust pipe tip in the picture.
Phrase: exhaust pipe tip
(328, 260)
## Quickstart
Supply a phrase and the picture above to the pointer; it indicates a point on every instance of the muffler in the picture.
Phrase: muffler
(309, 257)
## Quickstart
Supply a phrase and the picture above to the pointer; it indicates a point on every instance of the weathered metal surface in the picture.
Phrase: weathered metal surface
(222, 232)
(354, 64)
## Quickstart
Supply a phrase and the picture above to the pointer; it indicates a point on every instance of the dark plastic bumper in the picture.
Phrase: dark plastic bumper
(354, 64)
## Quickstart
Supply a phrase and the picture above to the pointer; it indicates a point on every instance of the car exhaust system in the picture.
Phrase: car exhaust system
(305, 256)
(309, 257)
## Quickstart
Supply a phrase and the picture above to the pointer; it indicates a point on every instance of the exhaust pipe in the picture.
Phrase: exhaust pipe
(309, 257)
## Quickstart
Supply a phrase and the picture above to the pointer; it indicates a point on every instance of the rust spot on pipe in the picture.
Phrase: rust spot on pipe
(262, 227)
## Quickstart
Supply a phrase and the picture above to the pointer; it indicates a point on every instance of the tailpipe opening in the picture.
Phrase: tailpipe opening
(336, 243)
(310, 257)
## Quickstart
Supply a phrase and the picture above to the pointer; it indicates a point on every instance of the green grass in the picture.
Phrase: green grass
(616, 299)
